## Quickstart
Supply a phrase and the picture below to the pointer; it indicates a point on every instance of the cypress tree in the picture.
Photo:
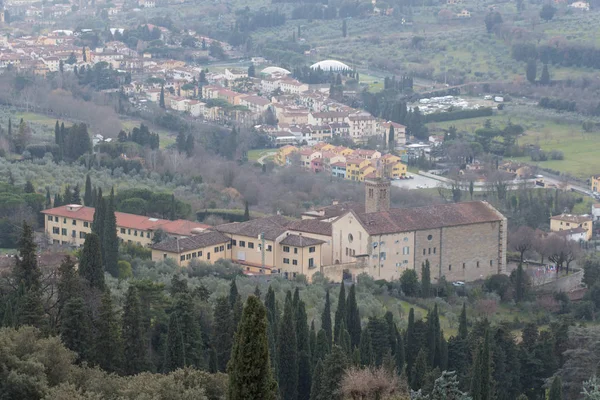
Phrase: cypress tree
(186, 337)
(555, 392)
(75, 330)
(26, 274)
(345, 341)
(272, 325)
(99, 214)
(9, 130)
(340, 313)
(425, 279)
(312, 341)
(68, 195)
(296, 299)
(366, 349)
(250, 375)
(246, 211)
(334, 368)
(315, 389)
(304, 363)
(419, 371)
(391, 138)
(108, 348)
(76, 197)
(88, 196)
(400, 358)
(233, 293)
(462, 325)
(391, 331)
(110, 241)
(29, 187)
(287, 352)
(69, 285)
(161, 100)
(322, 347)
(48, 203)
(132, 332)
(173, 212)
(57, 200)
(481, 383)
(8, 318)
(519, 284)
(90, 264)
(411, 341)
(433, 337)
(380, 342)
(223, 332)
(238, 309)
(326, 318)
(353, 318)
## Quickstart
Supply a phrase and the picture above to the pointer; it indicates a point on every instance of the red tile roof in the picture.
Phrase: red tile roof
(178, 227)
(430, 217)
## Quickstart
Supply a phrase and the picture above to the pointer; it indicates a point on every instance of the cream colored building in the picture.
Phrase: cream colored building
(206, 246)
(564, 222)
(69, 224)
(463, 241)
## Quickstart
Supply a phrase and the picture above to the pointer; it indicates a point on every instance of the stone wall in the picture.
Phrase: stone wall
(564, 284)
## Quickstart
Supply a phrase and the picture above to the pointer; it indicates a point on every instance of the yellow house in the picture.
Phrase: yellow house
(564, 222)
(323, 147)
(354, 167)
(595, 183)
(396, 170)
(283, 153)
(69, 224)
(268, 245)
(389, 159)
(207, 246)
(344, 151)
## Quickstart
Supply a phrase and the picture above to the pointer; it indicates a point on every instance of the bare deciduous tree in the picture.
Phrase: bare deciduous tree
(521, 240)
(367, 383)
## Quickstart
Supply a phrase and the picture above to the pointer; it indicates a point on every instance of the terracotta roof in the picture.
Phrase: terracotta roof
(272, 227)
(569, 232)
(200, 241)
(300, 241)
(311, 226)
(572, 218)
(125, 220)
(430, 217)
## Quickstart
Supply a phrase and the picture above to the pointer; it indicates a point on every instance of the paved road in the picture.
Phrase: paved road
(261, 160)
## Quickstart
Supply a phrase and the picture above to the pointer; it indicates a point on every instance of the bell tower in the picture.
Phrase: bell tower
(377, 195)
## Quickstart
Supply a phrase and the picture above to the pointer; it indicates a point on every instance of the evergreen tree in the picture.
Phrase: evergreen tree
(251, 71)
(520, 284)
(545, 77)
(555, 392)
(366, 349)
(246, 211)
(180, 142)
(304, 362)
(75, 330)
(132, 333)
(57, 137)
(69, 285)
(434, 338)
(380, 340)
(353, 318)
(90, 263)
(419, 371)
(189, 145)
(326, 318)
(184, 340)
(173, 212)
(287, 352)
(312, 342)
(99, 214)
(76, 196)
(88, 196)
(249, 370)
(57, 200)
(26, 271)
(233, 293)
(411, 341)
(425, 279)
(317, 382)
(272, 326)
(110, 240)
(223, 332)
(531, 72)
(108, 348)
(161, 100)
(323, 346)
(67, 195)
(391, 138)
(334, 368)
(481, 383)
(340, 313)
(344, 28)
(400, 354)
(48, 203)
(462, 324)
(29, 187)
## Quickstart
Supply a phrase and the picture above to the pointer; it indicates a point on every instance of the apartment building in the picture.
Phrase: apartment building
(69, 224)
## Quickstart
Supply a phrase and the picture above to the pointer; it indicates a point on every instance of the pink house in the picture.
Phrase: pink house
(316, 165)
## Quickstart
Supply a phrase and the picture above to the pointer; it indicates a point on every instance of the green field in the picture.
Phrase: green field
(580, 149)
(166, 138)
(255, 154)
